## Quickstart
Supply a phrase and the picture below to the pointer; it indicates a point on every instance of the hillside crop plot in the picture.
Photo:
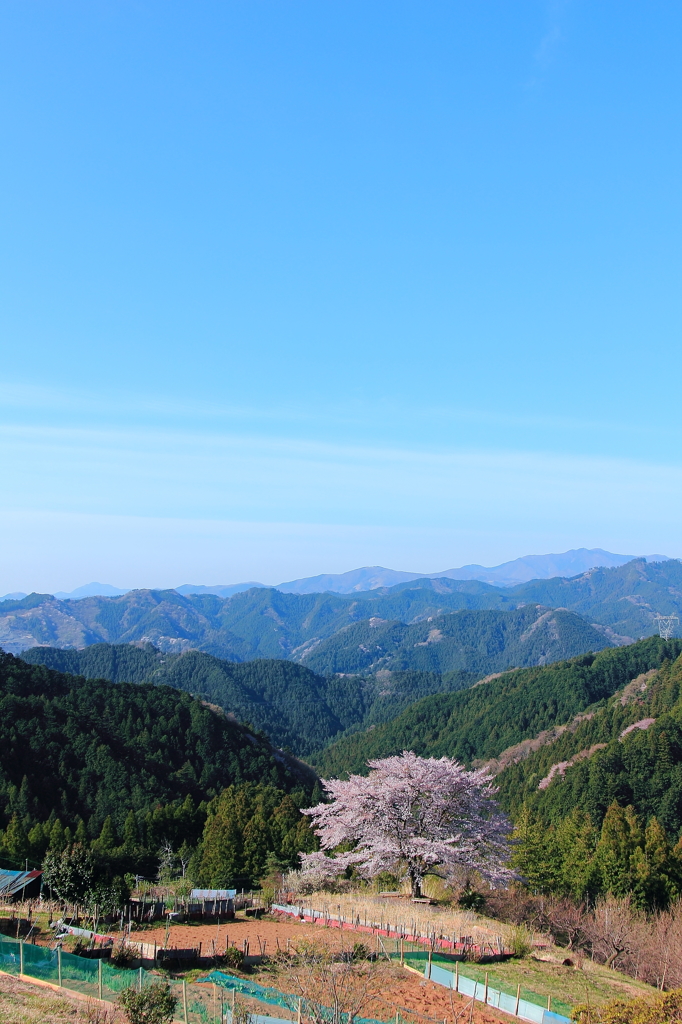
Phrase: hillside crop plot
(403, 991)
(23, 1003)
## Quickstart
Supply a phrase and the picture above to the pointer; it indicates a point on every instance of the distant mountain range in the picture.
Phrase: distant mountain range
(619, 603)
(508, 574)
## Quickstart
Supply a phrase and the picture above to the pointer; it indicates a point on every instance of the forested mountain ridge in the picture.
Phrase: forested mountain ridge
(481, 641)
(265, 623)
(479, 723)
(628, 750)
(88, 750)
(294, 706)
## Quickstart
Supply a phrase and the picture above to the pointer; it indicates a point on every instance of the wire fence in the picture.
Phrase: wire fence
(473, 982)
(211, 1000)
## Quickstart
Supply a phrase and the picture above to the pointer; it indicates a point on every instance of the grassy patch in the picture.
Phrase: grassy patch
(21, 1003)
(539, 979)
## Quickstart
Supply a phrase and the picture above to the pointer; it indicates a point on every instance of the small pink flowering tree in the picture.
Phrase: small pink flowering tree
(427, 815)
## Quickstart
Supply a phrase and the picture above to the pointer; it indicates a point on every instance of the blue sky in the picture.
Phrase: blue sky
(291, 287)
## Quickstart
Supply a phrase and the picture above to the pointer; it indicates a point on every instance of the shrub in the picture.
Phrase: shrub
(122, 955)
(233, 957)
(153, 1005)
(520, 941)
(664, 1009)
(471, 900)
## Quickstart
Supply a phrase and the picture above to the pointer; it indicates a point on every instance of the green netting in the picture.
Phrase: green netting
(207, 1000)
(266, 995)
(9, 956)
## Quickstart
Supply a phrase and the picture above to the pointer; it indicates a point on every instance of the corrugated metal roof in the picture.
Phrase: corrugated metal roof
(12, 882)
(212, 894)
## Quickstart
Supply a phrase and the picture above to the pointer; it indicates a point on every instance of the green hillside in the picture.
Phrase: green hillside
(294, 706)
(90, 750)
(264, 623)
(481, 641)
(481, 722)
(641, 767)
(625, 599)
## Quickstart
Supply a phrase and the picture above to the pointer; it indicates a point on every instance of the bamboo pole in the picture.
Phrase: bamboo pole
(549, 1004)
(456, 975)
(99, 979)
(485, 997)
(518, 999)
(402, 951)
(298, 1012)
(59, 965)
(184, 1000)
(21, 956)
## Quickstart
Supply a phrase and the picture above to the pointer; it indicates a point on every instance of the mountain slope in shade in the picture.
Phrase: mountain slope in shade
(91, 748)
(294, 706)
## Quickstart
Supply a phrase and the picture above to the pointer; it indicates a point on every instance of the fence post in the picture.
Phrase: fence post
(430, 958)
(184, 1000)
(518, 999)
(402, 952)
(456, 975)
(59, 965)
(298, 1012)
(485, 997)
(21, 956)
(549, 1004)
(99, 979)
(139, 981)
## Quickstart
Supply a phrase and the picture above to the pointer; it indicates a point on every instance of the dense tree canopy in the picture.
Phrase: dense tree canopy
(481, 722)
(124, 766)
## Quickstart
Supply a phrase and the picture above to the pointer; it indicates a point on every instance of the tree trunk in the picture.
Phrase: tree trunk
(614, 956)
(416, 884)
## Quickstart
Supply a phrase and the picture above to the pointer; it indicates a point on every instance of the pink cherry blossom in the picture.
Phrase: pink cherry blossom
(424, 815)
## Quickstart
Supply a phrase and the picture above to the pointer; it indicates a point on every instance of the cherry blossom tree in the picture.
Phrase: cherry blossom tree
(426, 815)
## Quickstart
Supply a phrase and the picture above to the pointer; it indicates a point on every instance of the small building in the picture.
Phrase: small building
(20, 885)
(212, 902)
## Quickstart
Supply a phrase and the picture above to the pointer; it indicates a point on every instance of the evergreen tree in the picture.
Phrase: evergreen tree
(661, 881)
(15, 843)
(257, 845)
(535, 853)
(57, 840)
(106, 843)
(621, 836)
(130, 838)
(576, 841)
(37, 842)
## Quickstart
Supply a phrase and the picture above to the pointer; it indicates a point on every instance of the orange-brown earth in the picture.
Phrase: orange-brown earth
(404, 990)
